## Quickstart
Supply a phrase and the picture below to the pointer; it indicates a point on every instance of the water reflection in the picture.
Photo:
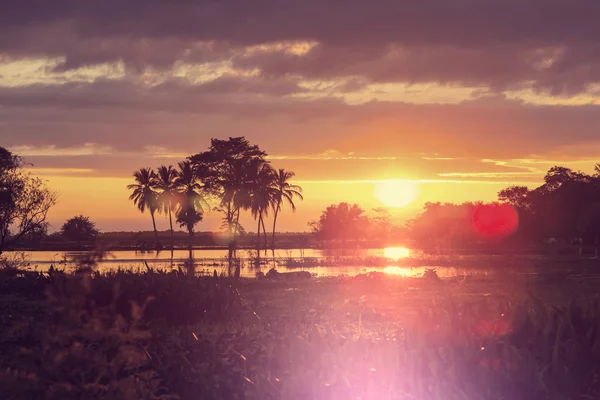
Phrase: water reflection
(402, 271)
(166, 256)
(399, 261)
(442, 272)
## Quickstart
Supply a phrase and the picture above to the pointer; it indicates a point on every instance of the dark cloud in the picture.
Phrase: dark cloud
(174, 95)
(551, 44)
(129, 115)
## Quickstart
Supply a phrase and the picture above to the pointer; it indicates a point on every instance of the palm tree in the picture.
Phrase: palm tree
(190, 199)
(144, 194)
(165, 183)
(262, 192)
(284, 191)
(236, 193)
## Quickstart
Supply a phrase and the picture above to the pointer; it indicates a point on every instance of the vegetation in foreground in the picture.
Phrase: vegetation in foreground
(170, 335)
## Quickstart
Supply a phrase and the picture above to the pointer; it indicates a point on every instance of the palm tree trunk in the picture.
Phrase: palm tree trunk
(154, 225)
(265, 234)
(229, 227)
(155, 231)
(230, 216)
(274, 223)
(191, 238)
(171, 225)
(258, 232)
(235, 227)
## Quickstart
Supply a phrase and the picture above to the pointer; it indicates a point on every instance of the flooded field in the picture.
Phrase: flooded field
(397, 261)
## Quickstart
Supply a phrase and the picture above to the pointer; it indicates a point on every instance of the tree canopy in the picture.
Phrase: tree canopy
(342, 222)
(79, 229)
(24, 201)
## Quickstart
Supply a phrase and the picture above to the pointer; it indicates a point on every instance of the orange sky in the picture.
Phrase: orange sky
(104, 199)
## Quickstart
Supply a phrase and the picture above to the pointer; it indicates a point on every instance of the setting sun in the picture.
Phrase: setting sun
(396, 253)
(396, 193)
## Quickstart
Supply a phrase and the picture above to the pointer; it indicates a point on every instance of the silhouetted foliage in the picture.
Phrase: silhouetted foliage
(563, 207)
(566, 207)
(382, 226)
(341, 223)
(24, 202)
(516, 196)
(233, 172)
(8, 161)
(444, 226)
(284, 193)
(190, 197)
(167, 188)
(79, 229)
(144, 195)
(261, 192)
(227, 174)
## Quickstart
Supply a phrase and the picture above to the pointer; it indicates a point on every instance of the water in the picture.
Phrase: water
(131, 256)
(318, 262)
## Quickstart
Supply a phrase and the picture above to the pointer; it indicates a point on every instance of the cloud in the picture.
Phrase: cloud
(53, 151)
(546, 45)
(174, 95)
(127, 114)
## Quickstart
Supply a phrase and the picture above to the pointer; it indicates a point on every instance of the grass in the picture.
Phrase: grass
(169, 335)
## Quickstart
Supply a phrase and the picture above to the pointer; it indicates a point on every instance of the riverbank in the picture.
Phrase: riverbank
(125, 335)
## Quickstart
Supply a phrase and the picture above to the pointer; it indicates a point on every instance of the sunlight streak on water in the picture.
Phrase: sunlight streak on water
(417, 272)
(402, 271)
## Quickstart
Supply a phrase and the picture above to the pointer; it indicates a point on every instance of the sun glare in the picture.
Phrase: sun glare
(396, 253)
(396, 193)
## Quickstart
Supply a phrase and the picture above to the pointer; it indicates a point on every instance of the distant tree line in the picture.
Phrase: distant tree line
(232, 176)
(566, 208)
(347, 224)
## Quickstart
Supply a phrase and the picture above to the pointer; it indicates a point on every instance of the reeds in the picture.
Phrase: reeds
(158, 334)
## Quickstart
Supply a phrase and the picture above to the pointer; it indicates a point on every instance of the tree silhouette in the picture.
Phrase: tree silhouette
(225, 170)
(24, 201)
(226, 174)
(8, 161)
(144, 196)
(517, 196)
(190, 198)
(285, 192)
(79, 229)
(342, 222)
(381, 224)
(262, 193)
(167, 189)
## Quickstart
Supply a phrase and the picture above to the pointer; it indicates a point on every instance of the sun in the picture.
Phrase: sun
(396, 193)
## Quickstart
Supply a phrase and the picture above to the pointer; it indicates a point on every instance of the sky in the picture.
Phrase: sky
(463, 97)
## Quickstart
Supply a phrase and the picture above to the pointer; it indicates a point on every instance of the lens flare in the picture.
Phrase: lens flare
(495, 221)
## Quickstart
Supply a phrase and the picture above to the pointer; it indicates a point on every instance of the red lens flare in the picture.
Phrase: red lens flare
(495, 221)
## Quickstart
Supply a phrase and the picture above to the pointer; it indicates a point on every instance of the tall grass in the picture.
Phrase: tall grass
(125, 335)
